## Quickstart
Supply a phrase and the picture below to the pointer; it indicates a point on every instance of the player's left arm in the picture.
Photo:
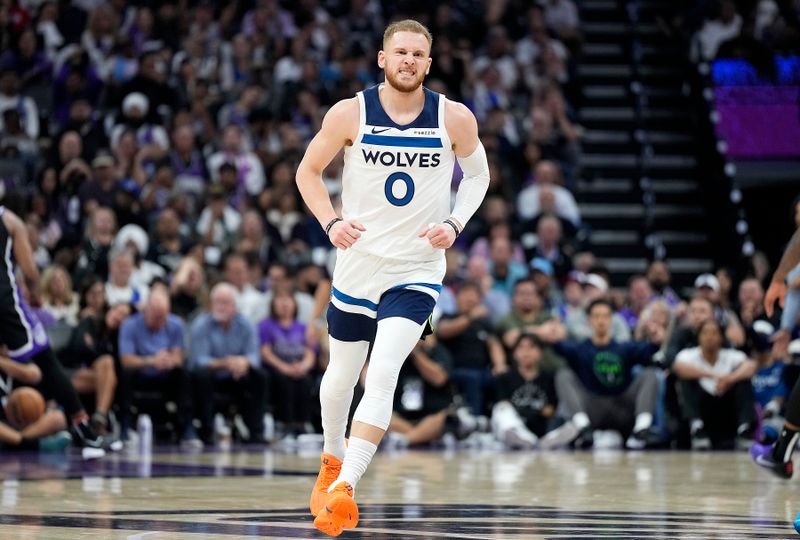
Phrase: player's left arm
(23, 253)
(462, 129)
(25, 373)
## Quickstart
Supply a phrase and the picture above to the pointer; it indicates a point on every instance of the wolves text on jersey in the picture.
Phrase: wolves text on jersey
(401, 159)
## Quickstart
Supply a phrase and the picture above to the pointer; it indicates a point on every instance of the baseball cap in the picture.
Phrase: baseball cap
(760, 333)
(540, 264)
(103, 160)
(595, 280)
(707, 280)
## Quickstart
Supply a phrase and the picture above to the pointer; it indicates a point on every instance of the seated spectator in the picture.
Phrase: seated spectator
(660, 277)
(188, 290)
(497, 302)
(684, 335)
(547, 178)
(218, 222)
(57, 295)
(89, 360)
(477, 353)
(656, 314)
(250, 301)
(100, 233)
(423, 398)
(600, 389)
(151, 349)
(119, 287)
(102, 188)
(10, 98)
(572, 296)
(549, 245)
(526, 397)
(504, 270)
(168, 245)
(527, 314)
(578, 325)
(639, 296)
(716, 390)
(187, 162)
(135, 239)
(279, 279)
(135, 111)
(249, 167)
(707, 286)
(285, 351)
(561, 17)
(750, 302)
(542, 275)
(224, 360)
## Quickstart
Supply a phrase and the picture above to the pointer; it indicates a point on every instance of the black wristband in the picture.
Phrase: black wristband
(453, 225)
(330, 224)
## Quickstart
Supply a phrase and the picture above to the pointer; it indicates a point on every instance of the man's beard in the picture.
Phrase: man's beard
(406, 87)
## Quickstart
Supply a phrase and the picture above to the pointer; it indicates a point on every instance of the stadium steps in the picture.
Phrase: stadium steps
(638, 191)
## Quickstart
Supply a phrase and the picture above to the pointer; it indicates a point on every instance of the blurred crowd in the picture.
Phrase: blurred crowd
(151, 150)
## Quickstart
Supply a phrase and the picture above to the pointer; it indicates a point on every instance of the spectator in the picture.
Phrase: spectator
(542, 275)
(279, 280)
(600, 389)
(561, 17)
(750, 302)
(707, 286)
(89, 360)
(578, 323)
(168, 245)
(135, 239)
(250, 170)
(187, 162)
(716, 390)
(477, 352)
(119, 287)
(527, 315)
(97, 245)
(639, 296)
(57, 295)
(497, 302)
(224, 360)
(10, 98)
(685, 335)
(102, 188)
(660, 277)
(218, 222)
(251, 302)
(151, 349)
(423, 398)
(549, 246)
(188, 290)
(526, 397)
(285, 351)
(547, 179)
(504, 270)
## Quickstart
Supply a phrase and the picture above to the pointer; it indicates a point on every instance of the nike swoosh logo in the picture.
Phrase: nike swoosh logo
(376, 130)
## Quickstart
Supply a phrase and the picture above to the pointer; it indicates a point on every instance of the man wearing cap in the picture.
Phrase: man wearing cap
(707, 286)
(577, 321)
(102, 188)
(542, 275)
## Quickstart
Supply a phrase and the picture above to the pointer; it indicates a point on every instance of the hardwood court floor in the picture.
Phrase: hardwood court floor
(241, 494)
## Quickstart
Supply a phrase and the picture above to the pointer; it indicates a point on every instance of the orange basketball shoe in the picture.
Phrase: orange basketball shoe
(328, 472)
(340, 511)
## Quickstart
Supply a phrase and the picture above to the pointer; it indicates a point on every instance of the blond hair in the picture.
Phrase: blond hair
(407, 25)
(66, 296)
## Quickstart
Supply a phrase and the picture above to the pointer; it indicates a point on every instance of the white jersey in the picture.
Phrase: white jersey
(396, 179)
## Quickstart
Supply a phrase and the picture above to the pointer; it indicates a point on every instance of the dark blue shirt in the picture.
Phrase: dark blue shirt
(605, 370)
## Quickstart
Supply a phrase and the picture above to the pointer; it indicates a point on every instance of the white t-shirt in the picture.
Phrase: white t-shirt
(728, 361)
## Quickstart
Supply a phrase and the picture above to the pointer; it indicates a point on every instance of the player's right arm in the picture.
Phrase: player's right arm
(777, 287)
(339, 128)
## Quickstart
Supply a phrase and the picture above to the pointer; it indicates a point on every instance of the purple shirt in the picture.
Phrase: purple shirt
(288, 344)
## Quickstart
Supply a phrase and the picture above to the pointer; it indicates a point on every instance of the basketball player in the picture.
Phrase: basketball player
(400, 143)
(777, 457)
(25, 338)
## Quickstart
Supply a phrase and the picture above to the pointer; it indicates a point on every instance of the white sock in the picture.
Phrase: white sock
(643, 421)
(696, 425)
(356, 460)
(581, 420)
(336, 392)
